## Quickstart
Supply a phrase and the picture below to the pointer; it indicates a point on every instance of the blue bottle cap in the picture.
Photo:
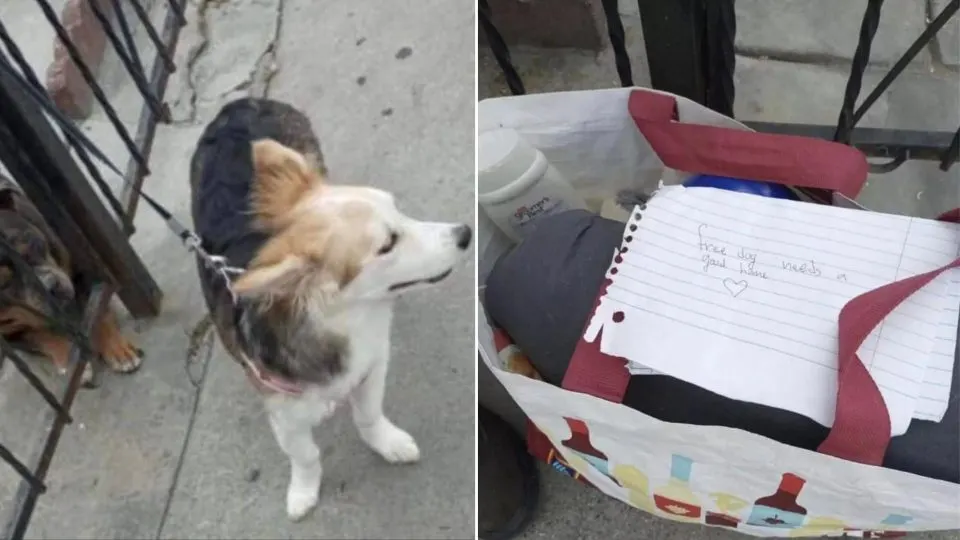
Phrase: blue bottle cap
(756, 187)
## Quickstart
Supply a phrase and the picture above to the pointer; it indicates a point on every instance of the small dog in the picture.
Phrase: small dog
(309, 317)
(23, 306)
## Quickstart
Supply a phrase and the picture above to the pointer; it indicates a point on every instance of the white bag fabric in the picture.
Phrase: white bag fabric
(683, 472)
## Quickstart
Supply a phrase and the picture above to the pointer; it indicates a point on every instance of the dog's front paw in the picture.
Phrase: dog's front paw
(122, 356)
(300, 502)
(392, 443)
(116, 350)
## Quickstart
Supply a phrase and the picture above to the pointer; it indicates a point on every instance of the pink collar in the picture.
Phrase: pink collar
(267, 381)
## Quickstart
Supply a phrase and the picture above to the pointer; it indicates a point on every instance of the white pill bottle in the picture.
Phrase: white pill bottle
(517, 185)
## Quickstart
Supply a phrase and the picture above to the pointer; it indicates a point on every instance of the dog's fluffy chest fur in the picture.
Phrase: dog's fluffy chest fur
(366, 327)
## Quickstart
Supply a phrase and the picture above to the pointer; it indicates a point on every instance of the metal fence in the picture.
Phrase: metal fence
(55, 165)
(690, 51)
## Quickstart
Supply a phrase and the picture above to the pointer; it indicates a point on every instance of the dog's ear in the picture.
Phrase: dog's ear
(282, 176)
(271, 157)
(272, 278)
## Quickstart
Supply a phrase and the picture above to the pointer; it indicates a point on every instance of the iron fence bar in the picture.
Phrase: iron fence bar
(868, 29)
(130, 44)
(33, 380)
(611, 11)
(874, 142)
(45, 170)
(21, 62)
(673, 39)
(135, 74)
(21, 469)
(78, 141)
(31, 181)
(499, 49)
(690, 49)
(951, 154)
(720, 30)
(27, 494)
(928, 34)
(154, 37)
(90, 79)
(135, 173)
(178, 11)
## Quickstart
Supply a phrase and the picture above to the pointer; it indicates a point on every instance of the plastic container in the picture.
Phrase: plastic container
(517, 185)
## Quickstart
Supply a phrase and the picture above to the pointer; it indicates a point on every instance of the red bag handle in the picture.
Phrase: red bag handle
(861, 428)
(784, 159)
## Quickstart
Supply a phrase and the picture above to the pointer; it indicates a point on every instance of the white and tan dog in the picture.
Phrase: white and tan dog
(310, 316)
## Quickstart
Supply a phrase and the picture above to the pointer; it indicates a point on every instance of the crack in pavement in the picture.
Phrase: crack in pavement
(257, 82)
(193, 56)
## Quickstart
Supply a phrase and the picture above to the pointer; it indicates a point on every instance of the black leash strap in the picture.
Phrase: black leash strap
(189, 238)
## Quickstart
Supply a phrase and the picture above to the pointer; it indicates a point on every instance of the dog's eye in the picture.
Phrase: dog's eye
(391, 243)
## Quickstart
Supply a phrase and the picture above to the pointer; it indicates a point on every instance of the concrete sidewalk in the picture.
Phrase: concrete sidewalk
(793, 58)
(182, 448)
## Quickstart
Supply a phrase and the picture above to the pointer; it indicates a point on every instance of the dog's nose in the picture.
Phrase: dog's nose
(464, 234)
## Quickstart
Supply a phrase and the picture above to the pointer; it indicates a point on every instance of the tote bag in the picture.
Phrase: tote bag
(605, 141)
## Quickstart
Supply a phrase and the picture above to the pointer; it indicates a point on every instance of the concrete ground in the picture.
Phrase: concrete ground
(182, 448)
(792, 64)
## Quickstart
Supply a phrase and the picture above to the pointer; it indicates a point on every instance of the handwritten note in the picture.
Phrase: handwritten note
(740, 294)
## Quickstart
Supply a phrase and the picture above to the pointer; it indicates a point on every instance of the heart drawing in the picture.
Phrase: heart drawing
(735, 287)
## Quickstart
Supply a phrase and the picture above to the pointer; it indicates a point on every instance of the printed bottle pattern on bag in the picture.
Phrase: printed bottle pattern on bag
(555, 461)
(675, 497)
(579, 443)
(728, 505)
(637, 485)
(781, 509)
(890, 522)
(820, 526)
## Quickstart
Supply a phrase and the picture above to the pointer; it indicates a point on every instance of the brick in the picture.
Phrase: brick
(65, 82)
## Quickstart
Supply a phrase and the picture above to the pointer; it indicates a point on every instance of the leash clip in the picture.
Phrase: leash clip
(216, 263)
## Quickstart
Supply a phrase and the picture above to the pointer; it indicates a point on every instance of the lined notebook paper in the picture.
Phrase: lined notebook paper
(934, 397)
(741, 294)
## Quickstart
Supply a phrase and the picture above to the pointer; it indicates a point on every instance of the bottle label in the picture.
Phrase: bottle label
(765, 516)
(527, 213)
